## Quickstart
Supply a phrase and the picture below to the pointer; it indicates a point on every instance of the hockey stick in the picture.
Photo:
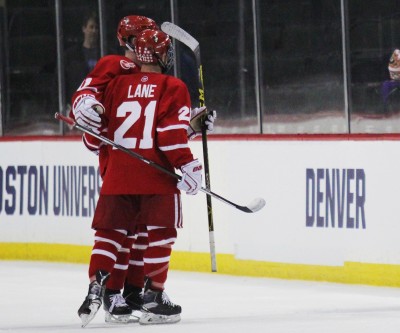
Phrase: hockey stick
(253, 207)
(184, 37)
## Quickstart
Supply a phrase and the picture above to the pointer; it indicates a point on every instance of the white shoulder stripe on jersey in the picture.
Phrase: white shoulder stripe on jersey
(174, 147)
(172, 127)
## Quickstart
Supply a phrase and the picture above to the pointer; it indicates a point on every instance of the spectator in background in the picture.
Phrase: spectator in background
(390, 89)
(80, 59)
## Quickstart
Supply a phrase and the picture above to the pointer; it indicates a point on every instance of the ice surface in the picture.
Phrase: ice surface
(44, 297)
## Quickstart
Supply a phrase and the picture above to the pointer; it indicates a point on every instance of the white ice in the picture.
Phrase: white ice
(44, 297)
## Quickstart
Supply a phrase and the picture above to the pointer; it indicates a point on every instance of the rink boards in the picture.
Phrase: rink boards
(332, 210)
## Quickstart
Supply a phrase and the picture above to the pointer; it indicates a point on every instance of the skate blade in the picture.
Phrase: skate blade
(135, 316)
(117, 319)
(87, 318)
(156, 319)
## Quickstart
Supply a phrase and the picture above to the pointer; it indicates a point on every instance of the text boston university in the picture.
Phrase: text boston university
(49, 190)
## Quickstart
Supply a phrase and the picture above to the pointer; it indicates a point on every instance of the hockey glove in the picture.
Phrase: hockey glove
(191, 177)
(87, 113)
(198, 115)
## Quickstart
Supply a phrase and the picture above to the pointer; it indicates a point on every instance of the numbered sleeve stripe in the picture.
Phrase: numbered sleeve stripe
(172, 127)
(174, 147)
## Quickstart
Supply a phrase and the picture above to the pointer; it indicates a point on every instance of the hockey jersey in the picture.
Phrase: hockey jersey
(107, 68)
(148, 113)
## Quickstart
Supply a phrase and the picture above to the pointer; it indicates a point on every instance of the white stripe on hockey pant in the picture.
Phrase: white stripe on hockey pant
(163, 242)
(157, 285)
(174, 147)
(124, 250)
(106, 240)
(139, 247)
(152, 227)
(176, 203)
(178, 211)
(121, 231)
(156, 260)
(104, 253)
(121, 267)
(158, 271)
(140, 234)
(172, 127)
(136, 263)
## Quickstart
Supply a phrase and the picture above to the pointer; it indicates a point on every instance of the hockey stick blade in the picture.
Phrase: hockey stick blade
(256, 205)
(253, 207)
(179, 34)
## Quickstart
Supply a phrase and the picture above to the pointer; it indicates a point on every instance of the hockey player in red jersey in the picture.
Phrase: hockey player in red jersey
(148, 112)
(86, 107)
(87, 104)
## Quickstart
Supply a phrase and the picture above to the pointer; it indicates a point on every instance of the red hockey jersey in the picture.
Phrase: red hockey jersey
(107, 68)
(148, 113)
(94, 84)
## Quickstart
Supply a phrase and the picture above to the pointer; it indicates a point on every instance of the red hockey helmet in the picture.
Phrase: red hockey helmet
(130, 26)
(151, 45)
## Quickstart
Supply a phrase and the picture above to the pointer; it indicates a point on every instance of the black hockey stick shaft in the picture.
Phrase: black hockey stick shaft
(184, 37)
(206, 162)
(72, 123)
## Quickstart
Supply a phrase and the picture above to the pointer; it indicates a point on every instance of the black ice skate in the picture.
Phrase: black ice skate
(92, 302)
(117, 311)
(134, 298)
(157, 308)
